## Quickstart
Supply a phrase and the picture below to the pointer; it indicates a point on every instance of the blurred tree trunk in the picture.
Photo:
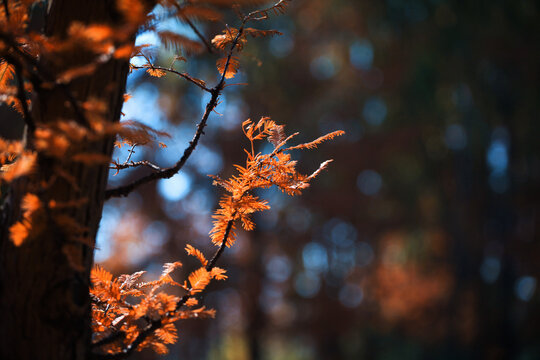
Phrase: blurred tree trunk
(44, 300)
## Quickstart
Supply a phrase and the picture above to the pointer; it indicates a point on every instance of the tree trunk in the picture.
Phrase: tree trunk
(44, 299)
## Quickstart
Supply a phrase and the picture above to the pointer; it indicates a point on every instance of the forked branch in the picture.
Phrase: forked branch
(210, 106)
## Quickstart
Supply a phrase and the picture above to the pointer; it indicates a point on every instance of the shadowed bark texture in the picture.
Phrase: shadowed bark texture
(44, 297)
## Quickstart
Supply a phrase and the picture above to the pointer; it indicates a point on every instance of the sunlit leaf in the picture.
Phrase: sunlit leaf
(156, 72)
(232, 66)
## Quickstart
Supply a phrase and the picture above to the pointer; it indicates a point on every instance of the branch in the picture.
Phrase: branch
(133, 164)
(219, 251)
(171, 171)
(171, 70)
(277, 8)
(155, 324)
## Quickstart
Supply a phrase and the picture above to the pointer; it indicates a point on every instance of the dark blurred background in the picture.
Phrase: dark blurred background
(421, 240)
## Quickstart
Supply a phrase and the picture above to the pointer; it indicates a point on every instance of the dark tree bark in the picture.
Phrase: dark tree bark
(44, 300)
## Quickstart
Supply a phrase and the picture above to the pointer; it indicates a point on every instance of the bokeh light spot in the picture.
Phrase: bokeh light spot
(364, 254)
(499, 183)
(343, 234)
(455, 137)
(315, 257)
(525, 287)
(207, 161)
(361, 54)
(175, 188)
(374, 111)
(351, 295)
(156, 234)
(369, 182)
(307, 284)
(278, 268)
(323, 67)
(281, 46)
(490, 269)
(497, 156)
(299, 219)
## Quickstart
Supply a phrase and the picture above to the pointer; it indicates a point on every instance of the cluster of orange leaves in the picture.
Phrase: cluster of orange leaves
(65, 141)
(261, 171)
(229, 35)
(60, 139)
(16, 25)
(111, 312)
(126, 305)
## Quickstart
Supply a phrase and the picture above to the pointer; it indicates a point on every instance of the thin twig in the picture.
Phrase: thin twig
(131, 151)
(132, 164)
(171, 70)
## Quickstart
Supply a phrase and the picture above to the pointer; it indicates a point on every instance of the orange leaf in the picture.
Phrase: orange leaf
(22, 166)
(176, 41)
(221, 41)
(170, 267)
(30, 203)
(7, 73)
(159, 348)
(199, 279)
(167, 333)
(133, 10)
(258, 33)
(156, 72)
(230, 69)
(218, 273)
(313, 144)
(197, 253)
(18, 232)
(277, 135)
(100, 275)
(123, 52)
(133, 132)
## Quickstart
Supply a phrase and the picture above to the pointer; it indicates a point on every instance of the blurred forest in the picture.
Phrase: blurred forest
(420, 242)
